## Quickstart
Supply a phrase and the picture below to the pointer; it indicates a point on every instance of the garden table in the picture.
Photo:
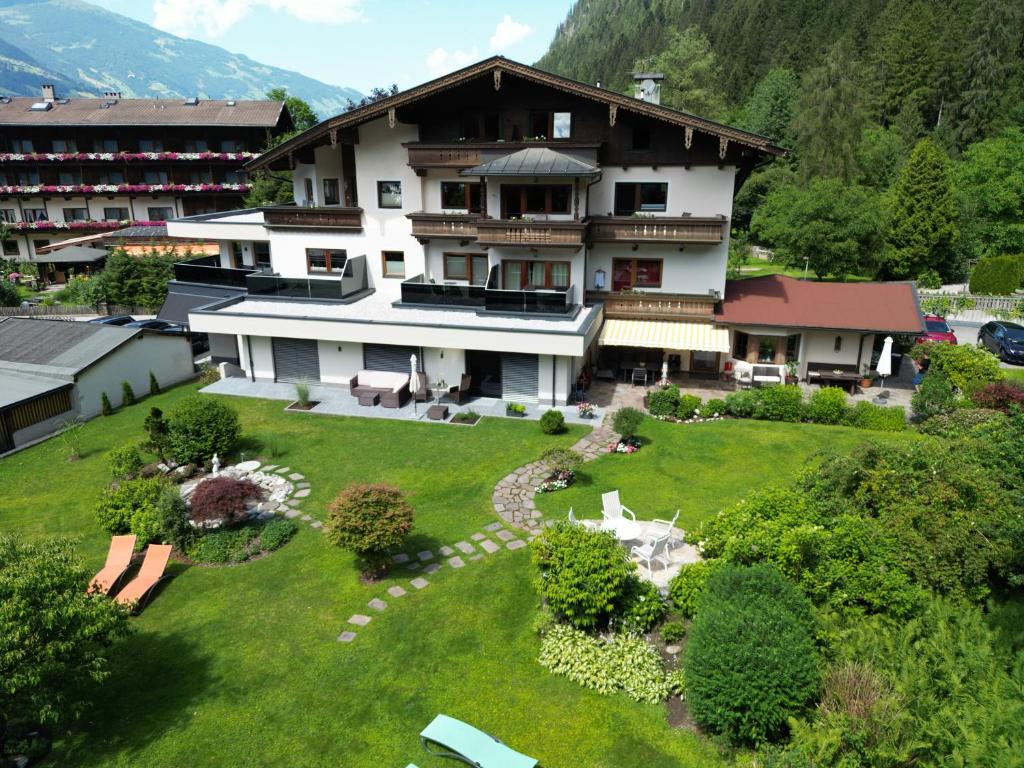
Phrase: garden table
(623, 528)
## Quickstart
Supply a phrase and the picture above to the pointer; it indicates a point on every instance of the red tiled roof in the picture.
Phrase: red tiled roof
(785, 301)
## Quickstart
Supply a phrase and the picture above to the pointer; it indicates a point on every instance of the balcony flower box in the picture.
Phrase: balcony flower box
(65, 157)
(89, 189)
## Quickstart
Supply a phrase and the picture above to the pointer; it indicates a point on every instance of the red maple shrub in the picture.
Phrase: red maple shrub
(369, 520)
(999, 396)
(223, 499)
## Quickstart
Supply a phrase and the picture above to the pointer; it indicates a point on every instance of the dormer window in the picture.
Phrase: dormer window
(551, 125)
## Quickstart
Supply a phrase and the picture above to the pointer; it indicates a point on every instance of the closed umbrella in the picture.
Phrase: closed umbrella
(414, 382)
(885, 360)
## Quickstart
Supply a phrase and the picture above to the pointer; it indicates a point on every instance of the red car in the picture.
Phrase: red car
(936, 330)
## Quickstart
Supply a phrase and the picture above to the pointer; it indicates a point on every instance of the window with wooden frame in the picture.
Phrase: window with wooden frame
(471, 267)
(389, 194)
(643, 197)
(525, 199)
(8, 215)
(64, 146)
(740, 343)
(533, 275)
(332, 195)
(160, 213)
(236, 255)
(766, 349)
(551, 125)
(636, 273)
(116, 214)
(75, 214)
(793, 348)
(10, 248)
(393, 263)
(151, 145)
(461, 195)
(322, 260)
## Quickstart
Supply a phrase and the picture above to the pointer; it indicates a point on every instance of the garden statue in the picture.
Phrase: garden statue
(664, 374)
(216, 465)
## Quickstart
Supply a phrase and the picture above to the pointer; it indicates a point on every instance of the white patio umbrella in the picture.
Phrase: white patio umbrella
(885, 360)
(414, 382)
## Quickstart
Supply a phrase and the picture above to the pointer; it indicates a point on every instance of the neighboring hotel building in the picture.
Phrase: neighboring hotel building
(71, 167)
(500, 221)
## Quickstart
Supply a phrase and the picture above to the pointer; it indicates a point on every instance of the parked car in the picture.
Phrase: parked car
(936, 329)
(150, 325)
(1003, 339)
(113, 320)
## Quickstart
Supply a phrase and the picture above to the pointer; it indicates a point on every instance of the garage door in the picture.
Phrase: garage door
(518, 378)
(296, 360)
(388, 357)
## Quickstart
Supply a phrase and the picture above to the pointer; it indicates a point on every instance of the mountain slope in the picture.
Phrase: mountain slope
(89, 50)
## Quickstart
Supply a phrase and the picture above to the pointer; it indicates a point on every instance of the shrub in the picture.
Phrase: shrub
(934, 397)
(369, 520)
(1000, 275)
(622, 664)
(929, 278)
(199, 427)
(228, 545)
(581, 574)
(963, 422)
(688, 406)
(222, 499)
(517, 408)
(712, 408)
(105, 407)
(663, 401)
(687, 586)
(640, 607)
(865, 415)
(175, 528)
(302, 393)
(827, 406)
(750, 662)
(552, 422)
(154, 385)
(999, 396)
(276, 533)
(209, 375)
(780, 403)
(627, 421)
(157, 432)
(127, 394)
(742, 403)
(562, 459)
(132, 507)
(968, 367)
(673, 632)
(125, 462)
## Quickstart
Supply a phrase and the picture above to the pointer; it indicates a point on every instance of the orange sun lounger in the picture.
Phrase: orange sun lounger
(138, 589)
(119, 557)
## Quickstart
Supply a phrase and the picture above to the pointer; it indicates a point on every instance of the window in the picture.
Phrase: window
(469, 127)
(325, 260)
(116, 214)
(106, 145)
(262, 254)
(331, 196)
(230, 145)
(561, 123)
(519, 200)
(151, 145)
(34, 214)
(793, 348)
(466, 266)
(766, 349)
(635, 273)
(394, 263)
(160, 213)
(308, 188)
(234, 177)
(237, 251)
(740, 343)
(110, 177)
(28, 177)
(10, 248)
(197, 145)
(200, 176)
(644, 197)
(154, 177)
(641, 137)
(480, 270)
(24, 146)
(65, 146)
(551, 125)
(389, 194)
(67, 178)
(7, 215)
(532, 275)
(76, 214)
(838, 346)
(461, 195)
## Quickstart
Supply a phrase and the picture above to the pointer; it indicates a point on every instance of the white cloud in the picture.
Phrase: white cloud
(508, 32)
(441, 62)
(213, 18)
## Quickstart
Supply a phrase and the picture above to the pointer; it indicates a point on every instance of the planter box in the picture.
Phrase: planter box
(297, 407)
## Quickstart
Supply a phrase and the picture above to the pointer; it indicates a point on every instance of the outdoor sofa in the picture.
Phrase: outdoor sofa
(392, 388)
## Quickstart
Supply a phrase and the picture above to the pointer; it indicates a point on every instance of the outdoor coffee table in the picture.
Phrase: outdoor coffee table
(437, 412)
(624, 528)
(369, 398)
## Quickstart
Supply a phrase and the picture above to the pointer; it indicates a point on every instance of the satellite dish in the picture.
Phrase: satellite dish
(648, 86)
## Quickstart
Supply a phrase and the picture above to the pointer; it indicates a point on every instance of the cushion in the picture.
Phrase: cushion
(382, 380)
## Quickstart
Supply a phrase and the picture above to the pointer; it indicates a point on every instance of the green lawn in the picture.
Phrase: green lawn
(756, 268)
(239, 666)
(1015, 374)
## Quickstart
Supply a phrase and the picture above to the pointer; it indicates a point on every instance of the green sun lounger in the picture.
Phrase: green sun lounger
(466, 743)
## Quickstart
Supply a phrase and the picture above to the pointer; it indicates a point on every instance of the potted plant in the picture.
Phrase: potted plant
(791, 374)
(515, 409)
(866, 379)
(585, 410)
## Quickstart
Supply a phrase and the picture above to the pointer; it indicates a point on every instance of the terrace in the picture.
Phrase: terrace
(418, 291)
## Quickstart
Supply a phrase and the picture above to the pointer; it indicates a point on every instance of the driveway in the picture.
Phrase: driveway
(967, 333)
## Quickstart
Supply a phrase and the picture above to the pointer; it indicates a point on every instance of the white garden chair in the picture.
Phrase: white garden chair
(653, 550)
(660, 528)
(573, 520)
(613, 509)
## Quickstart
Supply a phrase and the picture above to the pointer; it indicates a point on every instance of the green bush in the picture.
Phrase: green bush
(227, 545)
(175, 528)
(780, 403)
(627, 421)
(934, 397)
(199, 427)
(127, 394)
(622, 664)
(369, 520)
(581, 574)
(154, 385)
(963, 422)
(929, 278)
(673, 632)
(880, 418)
(105, 407)
(687, 586)
(124, 462)
(640, 607)
(827, 406)
(663, 401)
(712, 408)
(750, 662)
(132, 507)
(969, 368)
(742, 403)
(276, 533)
(157, 431)
(552, 422)
(999, 275)
(562, 459)
(688, 406)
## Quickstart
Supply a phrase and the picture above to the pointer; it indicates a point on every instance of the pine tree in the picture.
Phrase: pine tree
(691, 75)
(127, 394)
(154, 385)
(924, 216)
(105, 407)
(769, 110)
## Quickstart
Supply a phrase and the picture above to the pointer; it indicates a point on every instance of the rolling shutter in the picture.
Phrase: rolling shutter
(296, 360)
(519, 375)
(389, 357)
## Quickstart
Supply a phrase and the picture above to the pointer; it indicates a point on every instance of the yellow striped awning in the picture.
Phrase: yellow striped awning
(665, 334)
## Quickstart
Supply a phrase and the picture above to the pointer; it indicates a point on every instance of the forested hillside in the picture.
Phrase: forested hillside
(904, 117)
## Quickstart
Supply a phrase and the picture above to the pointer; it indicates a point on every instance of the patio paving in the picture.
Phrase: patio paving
(679, 555)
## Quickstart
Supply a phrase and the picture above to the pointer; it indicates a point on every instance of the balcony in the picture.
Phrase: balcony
(417, 291)
(524, 233)
(636, 229)
(457, 226)
(655, 306)
(443, 155)
(121, 157)
(295, 217)
(350, 285)
(206, 270)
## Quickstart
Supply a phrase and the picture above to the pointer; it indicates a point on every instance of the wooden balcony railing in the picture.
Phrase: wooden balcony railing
(459, 226)
(288, 216)
(632, 229)
(531, 234)
(443, 156)
(654, 306)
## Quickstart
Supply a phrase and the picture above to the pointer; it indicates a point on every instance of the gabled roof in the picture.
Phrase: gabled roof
(498, 64)
(533, 161)
(57, 347)
(257, 114)
(778, 300)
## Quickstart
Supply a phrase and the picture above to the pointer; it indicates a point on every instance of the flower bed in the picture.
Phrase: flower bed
(557, 482)
(236, 545)
(625, 445)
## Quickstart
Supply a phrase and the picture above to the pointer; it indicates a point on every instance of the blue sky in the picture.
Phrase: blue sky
(360, 43)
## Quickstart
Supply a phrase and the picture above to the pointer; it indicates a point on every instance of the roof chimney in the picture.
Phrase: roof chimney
(48, 93)
(647, 86)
